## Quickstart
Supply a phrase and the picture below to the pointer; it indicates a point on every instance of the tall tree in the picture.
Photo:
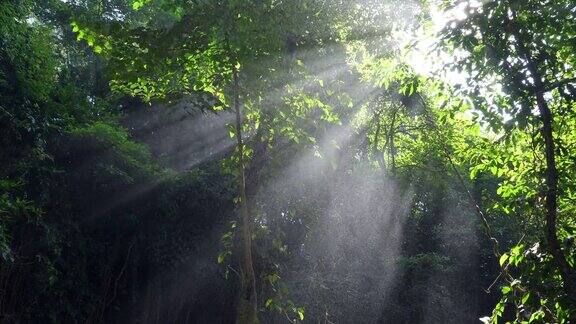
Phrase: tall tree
(235, 55)
(526, 47)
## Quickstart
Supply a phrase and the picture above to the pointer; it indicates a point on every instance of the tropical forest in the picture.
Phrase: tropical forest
(287, 161)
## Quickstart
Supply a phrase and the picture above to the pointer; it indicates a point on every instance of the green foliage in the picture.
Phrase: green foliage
(120, 149)
(512, 57)
(280, 301)
(27, 75)
(13, 208)
(28, 65)
(536, 293)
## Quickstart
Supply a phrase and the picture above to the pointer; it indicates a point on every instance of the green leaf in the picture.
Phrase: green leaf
(300, 311)
(222, 256)
(525, 298)
(494, 170)
(503, 259)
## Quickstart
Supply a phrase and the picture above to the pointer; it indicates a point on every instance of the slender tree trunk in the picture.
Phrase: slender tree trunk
(547, 119)
(392, 133)
(552, 196)
(254, 171)
(375, 151)
(247, 301)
